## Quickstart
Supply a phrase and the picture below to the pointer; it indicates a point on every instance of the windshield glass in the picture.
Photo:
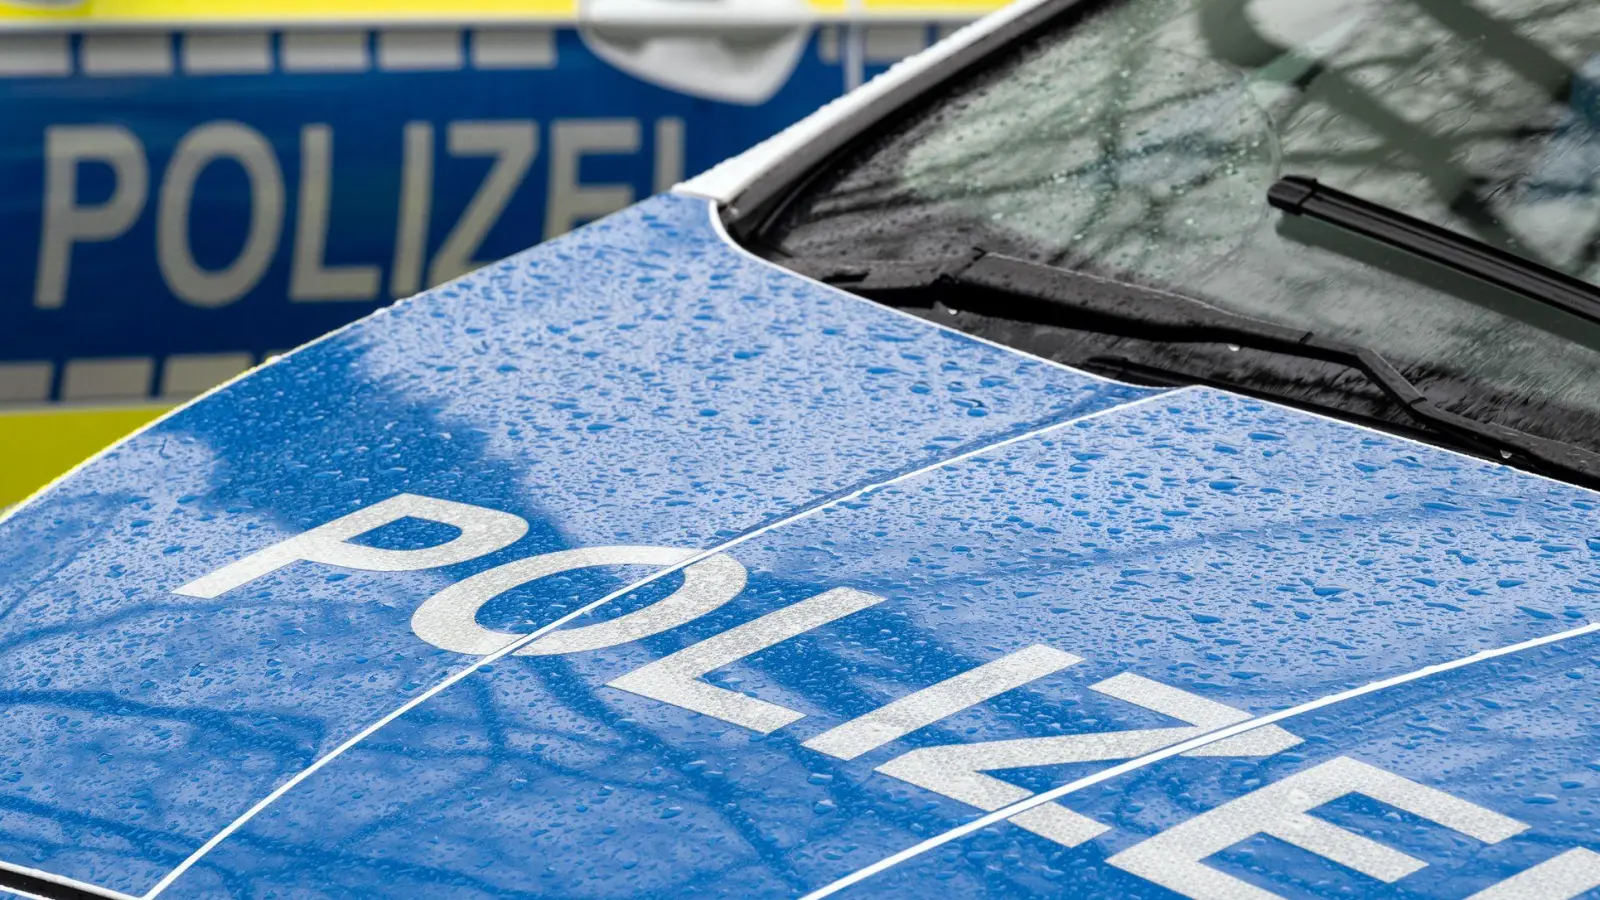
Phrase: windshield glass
(1138, 140)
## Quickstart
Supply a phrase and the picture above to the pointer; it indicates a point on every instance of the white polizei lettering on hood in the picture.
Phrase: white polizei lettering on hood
(675, 679)
(922, 708)
(1560, 877)
(854, 600)
(1175, 858)
(956, 770)
(448, 619)
(483, 531)
(1187, 748)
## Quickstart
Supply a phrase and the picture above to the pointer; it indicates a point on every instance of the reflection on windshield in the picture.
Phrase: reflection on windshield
(1139, 143)
(1123, 172)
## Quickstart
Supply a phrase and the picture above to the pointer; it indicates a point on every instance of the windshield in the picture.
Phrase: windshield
(1138, 140)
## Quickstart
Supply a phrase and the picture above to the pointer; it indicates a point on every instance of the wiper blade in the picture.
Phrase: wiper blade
(1299, 195)
(1004, 287)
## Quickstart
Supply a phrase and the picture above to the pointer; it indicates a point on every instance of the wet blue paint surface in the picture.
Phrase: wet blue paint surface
(1515, 735)
(1248, 554)
(640, 382)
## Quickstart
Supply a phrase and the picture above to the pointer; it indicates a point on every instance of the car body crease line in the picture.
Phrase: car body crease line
(1194, 743)
(523, 640)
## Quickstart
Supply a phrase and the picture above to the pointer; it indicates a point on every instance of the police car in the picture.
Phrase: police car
(1131, 449)
(195, 187)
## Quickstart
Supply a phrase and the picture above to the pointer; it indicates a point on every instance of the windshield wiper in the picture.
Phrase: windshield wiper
(1299, 195)
(1004, 287)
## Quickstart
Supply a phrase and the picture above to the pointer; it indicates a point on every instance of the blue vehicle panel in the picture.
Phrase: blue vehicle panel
(636, 566)
(1509, 741)
(1203, 557)
(640, 382)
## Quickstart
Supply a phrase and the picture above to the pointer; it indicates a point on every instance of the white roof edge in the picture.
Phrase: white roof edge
(727, 179)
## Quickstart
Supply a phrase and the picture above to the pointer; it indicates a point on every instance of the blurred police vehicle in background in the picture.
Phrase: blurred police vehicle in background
(1133, 449)
(192, 187)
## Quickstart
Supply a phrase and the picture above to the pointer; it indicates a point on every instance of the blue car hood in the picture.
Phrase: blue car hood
(864, 581)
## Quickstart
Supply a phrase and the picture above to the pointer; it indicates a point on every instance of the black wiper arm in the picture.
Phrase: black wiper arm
(1299, 195)
(1008, 288)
